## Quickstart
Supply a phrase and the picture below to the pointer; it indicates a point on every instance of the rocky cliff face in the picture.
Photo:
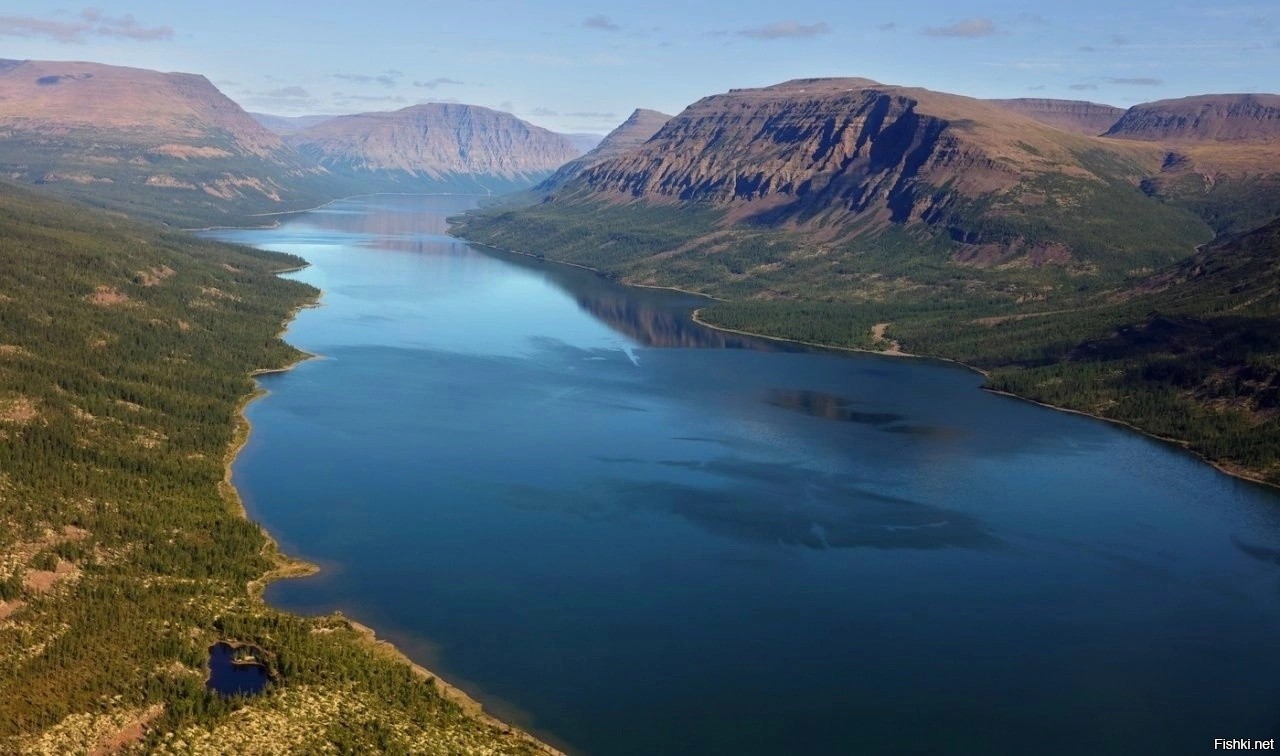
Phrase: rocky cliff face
(435, 142)
(163, 145)
(633, 132)
(815, 151)
(1078, 116)
(1204, 118)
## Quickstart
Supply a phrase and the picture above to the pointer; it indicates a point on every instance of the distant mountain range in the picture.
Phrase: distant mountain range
(283, 125)
(158, 145)
(464, 147)
(171, 147)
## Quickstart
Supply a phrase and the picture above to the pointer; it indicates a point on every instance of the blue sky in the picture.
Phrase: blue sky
(579, 65)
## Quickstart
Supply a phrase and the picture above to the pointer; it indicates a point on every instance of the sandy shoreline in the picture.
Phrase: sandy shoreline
(291, 567)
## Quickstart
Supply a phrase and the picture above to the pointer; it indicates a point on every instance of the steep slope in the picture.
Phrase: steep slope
(1222, 155)
(633, 132)
(435, 146)
(850, 159)
(1203, 118)
(1077, 116)
(162, 145)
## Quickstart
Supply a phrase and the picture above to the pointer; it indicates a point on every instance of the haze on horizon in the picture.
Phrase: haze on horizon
(578, 66)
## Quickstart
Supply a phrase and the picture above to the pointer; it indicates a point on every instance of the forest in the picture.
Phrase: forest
(125, 359)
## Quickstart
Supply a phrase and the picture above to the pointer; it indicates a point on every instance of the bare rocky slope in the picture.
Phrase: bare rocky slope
(850, 156)
(157, 144)
(1203, 118)
(1079, 116)
(992, 181)
(639, 127)
(465, 147)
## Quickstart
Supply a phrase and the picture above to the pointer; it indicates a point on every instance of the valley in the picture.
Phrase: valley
(488, 449)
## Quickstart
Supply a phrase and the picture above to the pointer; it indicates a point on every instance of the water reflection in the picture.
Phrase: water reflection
(650, 317)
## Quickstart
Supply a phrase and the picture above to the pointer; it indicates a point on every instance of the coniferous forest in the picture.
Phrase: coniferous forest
(125, 357)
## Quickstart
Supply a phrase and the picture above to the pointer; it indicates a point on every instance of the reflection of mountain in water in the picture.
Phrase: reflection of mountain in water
(400, 222)
(652, 317)
(659, 324)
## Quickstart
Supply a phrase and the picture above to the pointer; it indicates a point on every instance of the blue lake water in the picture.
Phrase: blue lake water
(230, 678)
(632, 535)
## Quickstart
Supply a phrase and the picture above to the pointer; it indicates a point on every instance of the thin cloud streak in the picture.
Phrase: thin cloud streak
(600, 23)
(92, 23)
(786, 30)
(969, 27)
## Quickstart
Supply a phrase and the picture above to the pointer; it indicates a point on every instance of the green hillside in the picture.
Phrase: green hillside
(125, 355)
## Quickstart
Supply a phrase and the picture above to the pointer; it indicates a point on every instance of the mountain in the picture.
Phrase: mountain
(848, 159)
(160, 145)
(288, 124)
(1204, 118)
(584, 142)
(1222, 155)
(1080, 270)
(1069, 115)
(435, 147)
(633, 132)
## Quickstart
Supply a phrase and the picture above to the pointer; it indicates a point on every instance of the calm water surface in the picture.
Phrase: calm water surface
(635, 536)
(230, 678)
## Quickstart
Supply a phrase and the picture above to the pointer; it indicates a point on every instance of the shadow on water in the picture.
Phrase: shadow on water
(236, 670)
(771, 503)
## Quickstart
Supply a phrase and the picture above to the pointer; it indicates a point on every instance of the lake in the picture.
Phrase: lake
(633, 535)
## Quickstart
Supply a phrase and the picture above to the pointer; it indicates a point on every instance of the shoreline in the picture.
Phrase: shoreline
(276, 224)
(289, 567)
(1222, 467)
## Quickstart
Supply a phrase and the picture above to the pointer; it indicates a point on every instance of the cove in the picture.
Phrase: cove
(633, 535)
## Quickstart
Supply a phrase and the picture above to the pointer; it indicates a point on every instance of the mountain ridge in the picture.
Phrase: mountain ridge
(434, 143)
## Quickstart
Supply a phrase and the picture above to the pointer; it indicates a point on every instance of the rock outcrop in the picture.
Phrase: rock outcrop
(1203, 118)
(822, 150)
(633, 132)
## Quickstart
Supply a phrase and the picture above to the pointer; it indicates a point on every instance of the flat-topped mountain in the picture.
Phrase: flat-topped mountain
(1203, 118)
(435, 145)
(633, 132)
(1069, 115)
(1065, 264)
(57, 98)
(854, 156)
(990, 182)
(166, 145)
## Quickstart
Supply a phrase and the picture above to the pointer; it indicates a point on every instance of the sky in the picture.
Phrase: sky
(584, 65)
